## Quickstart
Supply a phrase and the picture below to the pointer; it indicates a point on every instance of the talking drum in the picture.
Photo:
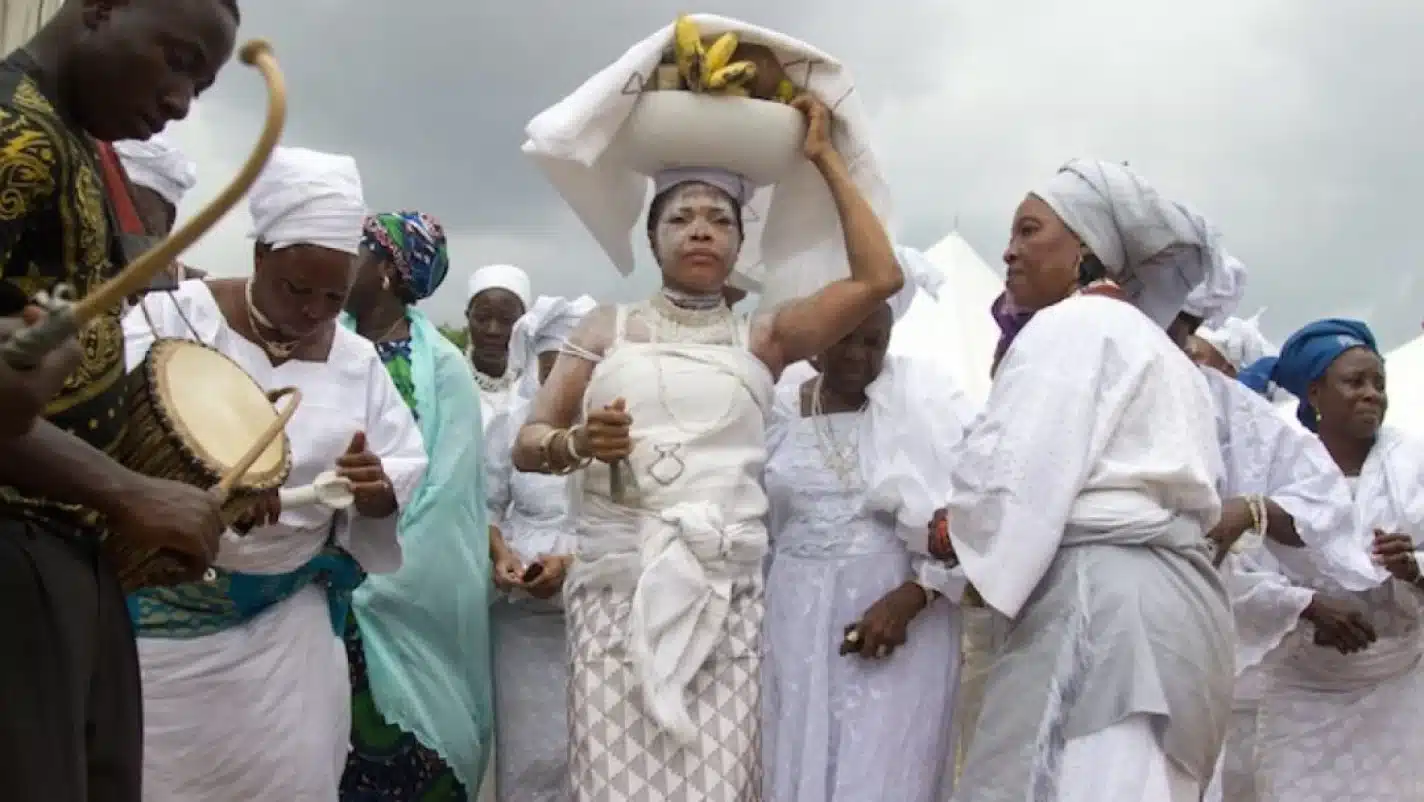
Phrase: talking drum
(196, 417)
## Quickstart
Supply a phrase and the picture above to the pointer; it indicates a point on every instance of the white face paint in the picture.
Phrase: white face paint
(697, 238)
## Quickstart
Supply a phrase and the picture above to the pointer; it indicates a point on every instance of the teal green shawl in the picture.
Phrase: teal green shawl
(426, 627)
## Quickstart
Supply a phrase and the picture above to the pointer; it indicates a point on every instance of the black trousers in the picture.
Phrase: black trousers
(71, 723)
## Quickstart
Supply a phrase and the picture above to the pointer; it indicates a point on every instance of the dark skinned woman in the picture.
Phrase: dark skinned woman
(499, 295)
(418, 640)
(245, 678)
(860, 648)
(1342, 711)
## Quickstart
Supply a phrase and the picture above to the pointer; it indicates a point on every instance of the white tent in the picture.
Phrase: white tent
(958, 326)
(1405, 372)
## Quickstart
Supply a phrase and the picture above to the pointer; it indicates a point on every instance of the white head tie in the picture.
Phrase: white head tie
(506, 277)
(1158, 250)
(306, 197)
(157, 164)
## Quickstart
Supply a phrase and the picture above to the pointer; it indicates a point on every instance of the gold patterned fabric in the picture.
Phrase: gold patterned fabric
(56, 227)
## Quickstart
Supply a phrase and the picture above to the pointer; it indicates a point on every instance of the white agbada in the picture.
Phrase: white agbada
(1098, 430)
(498, 393)
(1346, 728)
(262, 710)
(1266, 453)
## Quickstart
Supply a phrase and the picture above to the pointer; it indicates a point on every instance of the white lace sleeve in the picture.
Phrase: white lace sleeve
(1055, 402)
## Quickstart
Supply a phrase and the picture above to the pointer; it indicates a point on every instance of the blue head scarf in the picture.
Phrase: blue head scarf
(1305, 357)
(415, 244)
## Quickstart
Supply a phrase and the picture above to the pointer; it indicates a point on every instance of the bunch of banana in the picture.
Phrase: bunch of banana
(710, 69)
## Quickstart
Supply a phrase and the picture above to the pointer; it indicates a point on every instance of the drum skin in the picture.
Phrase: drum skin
(192, 413)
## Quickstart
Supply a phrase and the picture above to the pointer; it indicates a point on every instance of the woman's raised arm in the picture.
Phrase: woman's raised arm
(806, 327)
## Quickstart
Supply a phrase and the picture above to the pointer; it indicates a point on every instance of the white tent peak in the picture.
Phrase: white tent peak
(959, 326)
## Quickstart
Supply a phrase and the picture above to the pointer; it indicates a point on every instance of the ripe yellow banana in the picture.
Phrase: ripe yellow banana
(688, 52)
(738, 73)
(719, 54)
(785, 91)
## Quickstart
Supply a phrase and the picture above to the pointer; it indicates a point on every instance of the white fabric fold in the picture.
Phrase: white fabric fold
(507, 277)
(1240, 341)
(306, 197)
(794, 244)
(157, 164)
(921, 275)
(1216, 298)
(1158, 250)
(914, 419)
(544, 328)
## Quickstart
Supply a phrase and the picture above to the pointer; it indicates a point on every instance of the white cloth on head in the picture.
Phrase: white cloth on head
(1220, 293)
(1239, 341)
(542, 329)
(921, 275)
(505, 277)
(1158, 250)
(307, 197)
(157, 164)
(793, 228)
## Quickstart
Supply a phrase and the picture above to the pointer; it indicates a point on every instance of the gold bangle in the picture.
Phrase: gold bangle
(546, 451)
(579, 460)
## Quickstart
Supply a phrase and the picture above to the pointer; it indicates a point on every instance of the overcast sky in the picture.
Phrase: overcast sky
(1295, 125)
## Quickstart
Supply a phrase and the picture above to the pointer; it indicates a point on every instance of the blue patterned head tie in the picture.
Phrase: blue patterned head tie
(415, 244)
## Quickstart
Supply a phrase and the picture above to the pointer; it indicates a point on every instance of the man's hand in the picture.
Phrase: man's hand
(159, 514)
(24, 394)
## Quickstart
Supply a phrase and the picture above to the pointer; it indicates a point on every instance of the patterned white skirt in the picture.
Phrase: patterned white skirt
(617, 752)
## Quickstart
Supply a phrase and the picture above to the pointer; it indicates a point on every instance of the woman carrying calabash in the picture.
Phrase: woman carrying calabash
(660, 409)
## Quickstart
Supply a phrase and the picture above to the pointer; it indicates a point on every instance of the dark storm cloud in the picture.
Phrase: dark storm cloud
(1291, 123)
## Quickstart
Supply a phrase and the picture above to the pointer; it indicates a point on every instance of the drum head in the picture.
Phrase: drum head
(217, 410)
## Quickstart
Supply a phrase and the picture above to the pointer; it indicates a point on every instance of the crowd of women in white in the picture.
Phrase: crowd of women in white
(716, 537)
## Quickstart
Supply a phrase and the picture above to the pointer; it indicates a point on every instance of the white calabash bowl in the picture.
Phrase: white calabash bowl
(759, 139)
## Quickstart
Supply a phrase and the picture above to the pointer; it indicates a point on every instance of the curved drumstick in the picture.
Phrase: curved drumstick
(269, 435)
(25, 349)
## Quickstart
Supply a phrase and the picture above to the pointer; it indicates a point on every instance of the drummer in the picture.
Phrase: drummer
(246, 695)
(159, 174)
(69, 679)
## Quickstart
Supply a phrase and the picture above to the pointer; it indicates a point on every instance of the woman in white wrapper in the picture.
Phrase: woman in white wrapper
(1340, 717)
(868, 719)
(530, 535)
(1080, 505)
(245, 686)
(1280, 491)
(661, 407)
(498, 297)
